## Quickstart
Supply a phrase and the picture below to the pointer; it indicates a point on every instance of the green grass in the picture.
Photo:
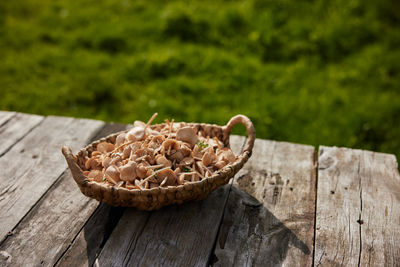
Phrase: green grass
(314, 72)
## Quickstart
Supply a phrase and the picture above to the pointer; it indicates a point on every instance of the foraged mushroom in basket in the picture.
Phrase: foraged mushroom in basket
(150, 166)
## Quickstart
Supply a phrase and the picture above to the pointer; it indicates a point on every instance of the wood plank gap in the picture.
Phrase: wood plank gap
(5, 121)
(212, 256)
(27, 213)
(95, 231)
(35, 163)
(21, 137)
(48, 189)
(357, 220)
(316, 199)
(269, 219)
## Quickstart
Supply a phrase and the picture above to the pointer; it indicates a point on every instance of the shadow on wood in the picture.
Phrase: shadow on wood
(255, 236)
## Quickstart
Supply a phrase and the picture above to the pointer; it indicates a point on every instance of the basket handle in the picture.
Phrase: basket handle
(76, 171)
(251, 131)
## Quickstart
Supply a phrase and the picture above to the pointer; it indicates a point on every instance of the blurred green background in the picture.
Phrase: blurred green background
(313, 72)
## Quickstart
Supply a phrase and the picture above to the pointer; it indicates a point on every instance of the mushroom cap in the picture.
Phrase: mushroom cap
(128, 171)
(160, 159)
(106, 161)
(226, 155)
(177, 155)
(170, 144)
(169, 175)
(136, 133)
(105, 147)
(96, 175)
(208, 158)
(142, 171)
(187, 134)
(120, 139)
(112, 174)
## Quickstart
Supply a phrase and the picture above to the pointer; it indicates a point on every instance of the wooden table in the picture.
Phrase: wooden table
(288, 206)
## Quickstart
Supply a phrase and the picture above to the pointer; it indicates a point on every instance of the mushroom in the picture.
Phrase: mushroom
(135, 134)
(220, 164)
(160, 159)
(168, 145)
(127, 152)
(104, 147)
(176, 155)
(186, 161)
(181, 179)
(112, 174)
(96, 153)
(208, 158)
(93, 163)
(128, 171)
(106, 161)
(226, 155)
(142, 171)
(187, 134)
(167, 177)
(120, 139)
(138, 132)
(95, 175)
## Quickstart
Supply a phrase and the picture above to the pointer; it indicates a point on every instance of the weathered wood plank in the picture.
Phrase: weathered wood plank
(16, 128)
(269, 217)
(87, 244)
(358, 215)
(54, 222)
(179, 235)
(5, 116)
(35, 163)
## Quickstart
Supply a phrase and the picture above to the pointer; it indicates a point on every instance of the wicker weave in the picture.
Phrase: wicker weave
(155, 198)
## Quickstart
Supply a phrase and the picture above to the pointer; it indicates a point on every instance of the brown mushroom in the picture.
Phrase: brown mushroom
(187, 134)
(128, 171)
(105, 147)
(106, 161)
(135, 134)
(168, 145)
(120, 139)
(95, 175)
(126, 152)
(112, 174)
(208, 157)
(226, 155)
(160, 159)
(167, 177)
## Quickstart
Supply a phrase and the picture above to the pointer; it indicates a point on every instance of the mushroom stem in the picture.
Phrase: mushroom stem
(150, 120)
(154, 166)
(152, 175)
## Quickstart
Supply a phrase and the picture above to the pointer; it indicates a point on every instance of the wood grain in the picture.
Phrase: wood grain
(35, 163)
(5, 116)
(54, 222)
(89, 240)
(16, 128)
(178, 235)
(358, 215)
(269, 218)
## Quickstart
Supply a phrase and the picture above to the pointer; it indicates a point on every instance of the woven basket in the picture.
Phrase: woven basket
(155, 198)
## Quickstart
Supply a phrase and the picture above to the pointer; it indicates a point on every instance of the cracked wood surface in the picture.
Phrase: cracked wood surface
(55, 221)
(358, 215)
(34, 163)
(178, 235)
(6, 116)
(15, 127)
(269, 218)
(265, 219)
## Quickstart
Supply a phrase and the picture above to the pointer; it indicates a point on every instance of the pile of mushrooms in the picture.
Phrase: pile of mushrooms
(169, 154)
